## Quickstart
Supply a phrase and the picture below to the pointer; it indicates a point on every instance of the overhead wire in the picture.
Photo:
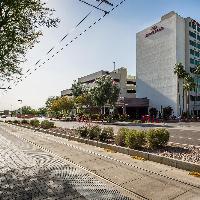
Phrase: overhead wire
(75, 38)
(63, 38)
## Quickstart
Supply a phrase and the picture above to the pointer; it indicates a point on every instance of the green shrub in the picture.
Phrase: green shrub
(106, 133)
(120, 137)
(46, 124)
(135, 139)
(93, 132)
(35, 122)
(24, 121)
(157, 137)
(137, 121)
(82, 131)
(95, 117)
(16, 121)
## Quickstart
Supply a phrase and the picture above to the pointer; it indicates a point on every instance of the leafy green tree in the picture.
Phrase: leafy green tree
(27, 110)
(66, 104)
(49, 105)
(167, 112)
(42, 111)
(153, 112)
(78, 89)
(180, 71)
(105, 91)
(49, 101)
(20, 28)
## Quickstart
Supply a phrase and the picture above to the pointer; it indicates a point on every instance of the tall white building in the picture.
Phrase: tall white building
(172, 40)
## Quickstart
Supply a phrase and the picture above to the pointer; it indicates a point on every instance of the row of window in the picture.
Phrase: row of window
(194, 35)
(128, 82)
(194, 98)
(194, 44)
(194, 26)
(131, 91)
(194, 62)
(194, 53)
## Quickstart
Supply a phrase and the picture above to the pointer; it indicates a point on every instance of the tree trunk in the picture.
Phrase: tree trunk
(187, 104)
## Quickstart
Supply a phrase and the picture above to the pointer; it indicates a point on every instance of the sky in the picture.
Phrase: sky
(113, 39)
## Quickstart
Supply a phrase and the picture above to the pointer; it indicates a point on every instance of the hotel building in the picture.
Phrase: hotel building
(159, 47)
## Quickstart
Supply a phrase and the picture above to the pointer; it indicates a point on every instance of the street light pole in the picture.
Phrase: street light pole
(21, 106)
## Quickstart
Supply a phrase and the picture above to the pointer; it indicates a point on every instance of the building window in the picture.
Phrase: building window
(192, 34)
(196, 62)
(131, 82)
(196, 53)
(131, 91)
(191, 61)
(192, 43)
(192, 69)
(194, 26)
(192, 51)
(192, 98)
(116, 80)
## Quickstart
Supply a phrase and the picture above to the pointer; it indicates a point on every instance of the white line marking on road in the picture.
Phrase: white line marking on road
(189, 138)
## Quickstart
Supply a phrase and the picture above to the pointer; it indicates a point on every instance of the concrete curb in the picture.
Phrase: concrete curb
(188, 166)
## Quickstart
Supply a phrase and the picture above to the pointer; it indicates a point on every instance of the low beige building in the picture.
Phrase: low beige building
(125, 82)
(127, 102)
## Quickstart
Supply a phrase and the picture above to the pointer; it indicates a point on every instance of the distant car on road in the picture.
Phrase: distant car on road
(3, 116)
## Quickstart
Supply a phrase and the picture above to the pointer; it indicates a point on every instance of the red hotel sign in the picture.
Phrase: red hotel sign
(154, 30)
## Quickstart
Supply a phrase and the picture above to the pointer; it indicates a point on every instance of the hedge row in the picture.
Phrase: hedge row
(35, 123)
(96, 132)
(152, 138)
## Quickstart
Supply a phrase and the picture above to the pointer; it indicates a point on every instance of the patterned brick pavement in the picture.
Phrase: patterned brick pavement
(29, 173)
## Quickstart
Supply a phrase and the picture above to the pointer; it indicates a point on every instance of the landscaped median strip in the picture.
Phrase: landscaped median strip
(192, 167)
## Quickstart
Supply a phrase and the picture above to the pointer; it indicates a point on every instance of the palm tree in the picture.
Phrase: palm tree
(181, 74)
(197, 73)
(180, 71)
(188, 86)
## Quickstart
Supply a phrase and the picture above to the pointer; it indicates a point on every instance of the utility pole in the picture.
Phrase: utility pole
(21, 106)
(114, 66)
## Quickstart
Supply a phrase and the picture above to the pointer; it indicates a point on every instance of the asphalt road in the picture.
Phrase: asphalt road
(34, 165)
(180, 133)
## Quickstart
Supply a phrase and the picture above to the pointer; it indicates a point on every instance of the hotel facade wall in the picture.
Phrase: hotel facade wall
(156, 56)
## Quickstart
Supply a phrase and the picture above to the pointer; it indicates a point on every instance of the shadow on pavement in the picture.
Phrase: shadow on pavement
(14, 185)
